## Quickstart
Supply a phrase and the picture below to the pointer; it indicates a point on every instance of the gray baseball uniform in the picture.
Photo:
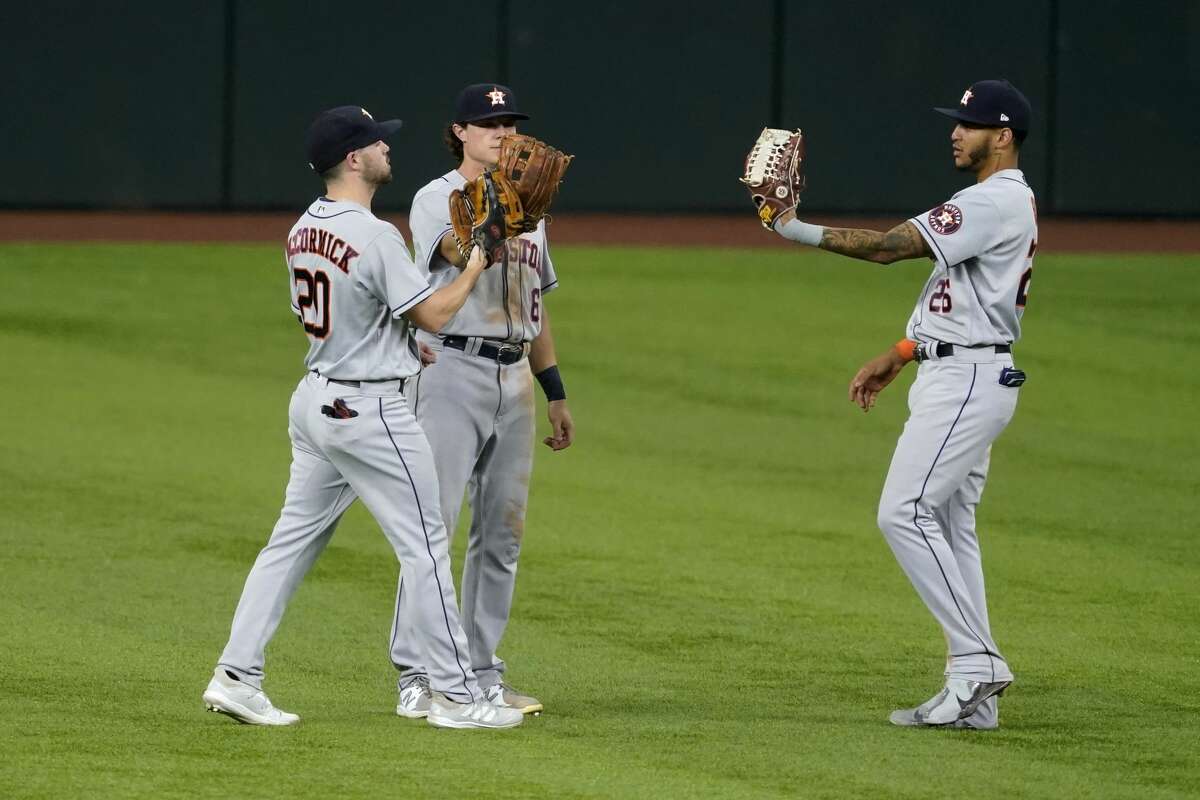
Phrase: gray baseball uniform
(476, 405)
(354, 435)
(983, 242)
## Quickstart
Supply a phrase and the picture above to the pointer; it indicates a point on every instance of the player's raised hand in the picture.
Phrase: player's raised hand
(871, 379)
(561, 425)
(477, 259)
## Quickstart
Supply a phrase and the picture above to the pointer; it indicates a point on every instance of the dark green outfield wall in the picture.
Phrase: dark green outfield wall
(203, 104)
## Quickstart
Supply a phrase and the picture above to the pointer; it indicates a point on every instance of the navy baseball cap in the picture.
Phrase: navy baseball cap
(481, 101)
(342, 130)
(992, 104)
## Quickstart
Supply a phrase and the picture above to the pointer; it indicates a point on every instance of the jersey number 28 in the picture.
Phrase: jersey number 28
(939, 299)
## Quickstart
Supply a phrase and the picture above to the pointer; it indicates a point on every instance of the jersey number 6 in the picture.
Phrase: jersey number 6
(311, 303)
(1027, 275)
(1023, 288)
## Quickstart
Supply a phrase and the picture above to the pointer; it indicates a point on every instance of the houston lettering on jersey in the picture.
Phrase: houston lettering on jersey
(524, 252)
(324, 244)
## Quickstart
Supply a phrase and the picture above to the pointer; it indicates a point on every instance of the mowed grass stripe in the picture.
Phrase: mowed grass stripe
(704, 605)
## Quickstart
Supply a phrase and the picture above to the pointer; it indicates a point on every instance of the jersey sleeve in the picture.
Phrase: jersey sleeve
(546, 268)
(292, 288)
(966, 226)
(388, 272)
(429, 220)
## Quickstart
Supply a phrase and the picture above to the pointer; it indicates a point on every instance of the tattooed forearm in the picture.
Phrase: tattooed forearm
(901, 242)
(853, 242)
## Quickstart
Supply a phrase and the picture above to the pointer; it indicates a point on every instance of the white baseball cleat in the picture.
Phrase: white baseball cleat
(415, 699)
(957, 700)
(505, 696)
(445, 713)
(907, 718)
(228, 695)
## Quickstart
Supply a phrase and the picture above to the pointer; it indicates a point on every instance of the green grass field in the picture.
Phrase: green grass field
(705, 604)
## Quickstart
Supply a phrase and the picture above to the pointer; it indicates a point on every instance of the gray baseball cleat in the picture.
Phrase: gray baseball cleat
(445, 713)
(957, 700)
(505, 696)
(228, 695)
(415, 699)
(906, 718)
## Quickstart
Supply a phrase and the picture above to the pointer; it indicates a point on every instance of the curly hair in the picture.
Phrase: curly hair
(453, 143)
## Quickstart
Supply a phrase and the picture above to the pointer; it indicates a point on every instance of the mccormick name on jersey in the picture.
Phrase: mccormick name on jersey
(323, 243)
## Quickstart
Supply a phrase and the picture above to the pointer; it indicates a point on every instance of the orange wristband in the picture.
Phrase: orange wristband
(907, 349)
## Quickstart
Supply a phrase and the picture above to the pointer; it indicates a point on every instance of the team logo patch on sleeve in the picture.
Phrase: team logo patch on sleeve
(945, 219)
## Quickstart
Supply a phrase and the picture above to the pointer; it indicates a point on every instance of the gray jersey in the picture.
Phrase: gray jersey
(983, 242)
(352, 279)
(505, 304)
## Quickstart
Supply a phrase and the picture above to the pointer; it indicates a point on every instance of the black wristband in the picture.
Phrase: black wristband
(552, 383)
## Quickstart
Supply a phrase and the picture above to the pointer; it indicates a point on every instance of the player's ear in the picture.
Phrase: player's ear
(460, 132)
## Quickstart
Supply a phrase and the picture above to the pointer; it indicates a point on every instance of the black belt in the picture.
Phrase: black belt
(358, 384)
(504, 353)
(945, 349)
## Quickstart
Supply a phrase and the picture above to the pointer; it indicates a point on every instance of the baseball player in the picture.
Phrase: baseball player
(358, 295)
(476, 404)
(961, 332)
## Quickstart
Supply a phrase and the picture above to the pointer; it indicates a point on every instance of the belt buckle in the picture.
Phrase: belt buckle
(508, 349)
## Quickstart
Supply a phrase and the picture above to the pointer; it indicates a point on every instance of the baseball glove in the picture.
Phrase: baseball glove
(775, 172)
(535, 170)
(485, 213)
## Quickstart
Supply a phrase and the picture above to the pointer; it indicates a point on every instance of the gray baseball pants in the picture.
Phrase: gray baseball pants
(382, 456)
(927, 510)
(479, 417)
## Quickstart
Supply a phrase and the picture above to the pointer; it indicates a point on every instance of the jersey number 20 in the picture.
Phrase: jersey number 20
(314, 307)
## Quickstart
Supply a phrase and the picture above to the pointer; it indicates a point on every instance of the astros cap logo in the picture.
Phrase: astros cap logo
(496, 96)
(366, 114)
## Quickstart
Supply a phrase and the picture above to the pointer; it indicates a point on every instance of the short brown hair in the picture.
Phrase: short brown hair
(334, 172)
(453, 143)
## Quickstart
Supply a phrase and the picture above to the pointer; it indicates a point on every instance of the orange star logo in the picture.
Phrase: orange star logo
(496, 96)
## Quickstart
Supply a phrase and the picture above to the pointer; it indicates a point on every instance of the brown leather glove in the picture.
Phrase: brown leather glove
(535, 170)
(485, 213)
(775, 172)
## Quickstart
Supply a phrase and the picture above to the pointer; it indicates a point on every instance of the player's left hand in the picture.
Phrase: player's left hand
(561, 425)
(871, 379)
(427, 355)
